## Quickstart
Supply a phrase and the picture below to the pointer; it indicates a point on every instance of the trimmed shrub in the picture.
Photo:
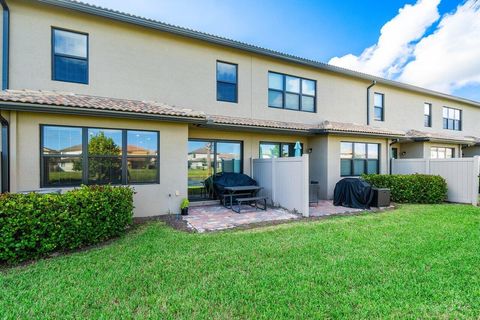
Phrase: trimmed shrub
(411, 188)
(32, 225)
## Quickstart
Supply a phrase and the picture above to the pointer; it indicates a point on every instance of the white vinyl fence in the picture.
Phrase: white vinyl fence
(284, 181)
(461, 175)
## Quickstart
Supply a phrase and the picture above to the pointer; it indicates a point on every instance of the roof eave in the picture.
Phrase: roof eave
(357, 133)
(251, 128)
(438, 140)
(31, 107)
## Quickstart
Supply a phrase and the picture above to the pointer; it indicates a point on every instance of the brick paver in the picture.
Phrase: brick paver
(326, 208)
(217, 217)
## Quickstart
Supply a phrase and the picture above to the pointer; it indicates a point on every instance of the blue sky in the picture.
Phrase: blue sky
(322, 30)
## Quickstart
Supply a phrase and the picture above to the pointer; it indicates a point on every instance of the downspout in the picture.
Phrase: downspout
(374, 82)
(5, 163)
(5, 45)
(4, 125)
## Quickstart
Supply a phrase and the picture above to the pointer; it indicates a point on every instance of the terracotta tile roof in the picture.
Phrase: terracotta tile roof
(37, 98)
(331, 126)
(214, 119)
(65, 99)
(416, 134)
(326, 126)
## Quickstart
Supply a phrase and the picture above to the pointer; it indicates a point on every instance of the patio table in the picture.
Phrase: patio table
(247, 191)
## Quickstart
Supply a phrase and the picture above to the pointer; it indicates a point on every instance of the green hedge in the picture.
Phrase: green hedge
(411, 188)
(32, 225)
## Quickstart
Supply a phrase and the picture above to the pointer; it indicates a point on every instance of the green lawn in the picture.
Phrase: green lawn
(415, 262)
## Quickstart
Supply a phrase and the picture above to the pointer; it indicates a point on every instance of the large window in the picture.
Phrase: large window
(72, 156)
(69, 56)
(442, 153)
(269, 150)
(227, 82)
(207, 158)
(427, 114)
(293, 93)
(452, 119)
(379, 106)
(359, 158)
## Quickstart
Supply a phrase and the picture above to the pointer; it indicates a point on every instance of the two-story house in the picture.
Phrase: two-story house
(94, 96)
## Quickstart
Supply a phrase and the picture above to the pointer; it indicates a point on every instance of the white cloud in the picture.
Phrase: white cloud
(396, 42)
(449, 58)
(446, 60)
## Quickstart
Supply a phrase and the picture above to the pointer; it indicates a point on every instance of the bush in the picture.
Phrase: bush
(32, 225)
(411, 188)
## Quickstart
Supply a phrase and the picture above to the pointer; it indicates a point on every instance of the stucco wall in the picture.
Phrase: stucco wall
(413, 150)
(404, 111)
(128, 61)
(319, 163)
(150, 200)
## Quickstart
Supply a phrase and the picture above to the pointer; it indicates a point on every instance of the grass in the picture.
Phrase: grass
(199, 173)
(415, 262)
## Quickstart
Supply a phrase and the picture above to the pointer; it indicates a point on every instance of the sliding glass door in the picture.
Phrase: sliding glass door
(207, 158)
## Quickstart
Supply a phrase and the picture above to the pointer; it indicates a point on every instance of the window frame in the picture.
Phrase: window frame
(444, 149)
(429, 123)
(365, 168)
(284, 92)
(220, 81)
(53, 54)
(215, 141)
(445, 125)
(84, 156)
(280, 147)
(377, 107)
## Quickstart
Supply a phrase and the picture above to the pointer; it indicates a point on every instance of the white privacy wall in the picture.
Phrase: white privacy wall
(461, 175)
(284, 181)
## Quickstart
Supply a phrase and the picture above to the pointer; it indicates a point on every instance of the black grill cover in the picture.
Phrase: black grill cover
(228, 179)
(353, 193)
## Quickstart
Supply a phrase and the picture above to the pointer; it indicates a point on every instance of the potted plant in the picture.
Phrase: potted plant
(184, 207)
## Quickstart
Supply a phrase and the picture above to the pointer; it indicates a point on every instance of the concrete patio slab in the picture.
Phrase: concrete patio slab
(217, 217)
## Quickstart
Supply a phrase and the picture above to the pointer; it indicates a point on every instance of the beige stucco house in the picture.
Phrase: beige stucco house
(97, 96)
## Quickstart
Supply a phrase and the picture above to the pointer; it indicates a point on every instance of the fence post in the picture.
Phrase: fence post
(306, 185)
(476, 173)
(427, 166)
(274, 183)
(251, 167)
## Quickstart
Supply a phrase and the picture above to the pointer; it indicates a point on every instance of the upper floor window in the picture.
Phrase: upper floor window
(71, 156)
(427, 114)
(269, 150)
(442, 153)
(379, 102)
(452, 119)
(291, 93)
(227, 82)
(69, 56)
(359, 158)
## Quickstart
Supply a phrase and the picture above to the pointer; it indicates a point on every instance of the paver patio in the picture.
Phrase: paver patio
(326, 208)
(216, 217)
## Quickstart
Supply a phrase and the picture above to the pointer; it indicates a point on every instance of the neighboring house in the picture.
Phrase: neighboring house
(82, 78)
